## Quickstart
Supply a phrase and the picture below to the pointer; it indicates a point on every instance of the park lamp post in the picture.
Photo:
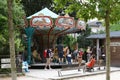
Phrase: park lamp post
(98, 45)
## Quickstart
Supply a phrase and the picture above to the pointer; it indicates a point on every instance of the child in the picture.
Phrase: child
(25, 66)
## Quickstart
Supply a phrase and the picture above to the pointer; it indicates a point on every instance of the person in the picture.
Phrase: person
(68, 52)
(79, 57)
(84, 56)
(104, 59)
(74, 55)
(52, 55)
(36, 56)
(89, 65)
(101, 60)
(19, 61)
(24, 55)
(48, 58)
(60, 53)
(65, 54)
(89, 52)
(25, 66)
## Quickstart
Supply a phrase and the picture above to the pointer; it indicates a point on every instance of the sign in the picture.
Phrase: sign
(115, 44)
(41, 21)
(5, 60)
(65, 22)
(81, 25)
(5, 63)
(5, 66)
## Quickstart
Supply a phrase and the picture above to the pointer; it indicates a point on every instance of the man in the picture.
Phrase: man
(60, 53)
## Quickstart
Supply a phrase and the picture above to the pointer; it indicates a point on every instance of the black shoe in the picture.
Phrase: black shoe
(78, 69)
(98, 68)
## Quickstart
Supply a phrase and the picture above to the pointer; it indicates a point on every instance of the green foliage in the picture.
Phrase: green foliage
(89, 9)
(115, 27)
(4, 39)
(83, 42)
(33, 6)
(5, 71)
(69, 40)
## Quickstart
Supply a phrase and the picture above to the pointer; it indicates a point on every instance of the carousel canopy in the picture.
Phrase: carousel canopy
(47, 30)
(45, 12)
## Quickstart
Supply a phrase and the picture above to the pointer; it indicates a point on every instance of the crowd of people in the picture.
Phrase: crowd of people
(66, 56)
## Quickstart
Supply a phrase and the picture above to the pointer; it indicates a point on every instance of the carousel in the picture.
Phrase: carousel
(43, 28)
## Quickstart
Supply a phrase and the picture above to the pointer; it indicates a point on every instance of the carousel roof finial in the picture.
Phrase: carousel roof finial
(67, 15)
(41, 14)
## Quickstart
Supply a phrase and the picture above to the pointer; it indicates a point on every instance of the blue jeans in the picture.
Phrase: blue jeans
(69, 60)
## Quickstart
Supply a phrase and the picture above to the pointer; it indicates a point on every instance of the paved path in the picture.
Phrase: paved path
(113, 76)
(40, 74)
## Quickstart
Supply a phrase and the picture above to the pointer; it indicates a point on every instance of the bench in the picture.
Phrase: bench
(66, 69)
(69, 67)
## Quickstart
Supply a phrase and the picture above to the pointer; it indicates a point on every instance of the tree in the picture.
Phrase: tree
(33, 6)
(17, 20)
(69, 40)
(102, 9)
(115, 26)
(11, 38)
(81, 39)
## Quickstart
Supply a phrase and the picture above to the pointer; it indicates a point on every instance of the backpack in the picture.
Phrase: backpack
(45, 53)
(48, 53)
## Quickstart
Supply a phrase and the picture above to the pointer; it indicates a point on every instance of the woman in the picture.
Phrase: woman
(48, 58)
(79, 57)
(68, 55)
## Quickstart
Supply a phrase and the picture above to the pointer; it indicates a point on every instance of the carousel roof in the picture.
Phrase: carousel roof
(45, 12)
(57, 27)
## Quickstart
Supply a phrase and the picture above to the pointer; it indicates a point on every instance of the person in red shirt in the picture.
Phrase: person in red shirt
(79, 58)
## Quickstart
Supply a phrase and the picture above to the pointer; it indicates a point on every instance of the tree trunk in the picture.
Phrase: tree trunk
(107, 22)
(11, 39)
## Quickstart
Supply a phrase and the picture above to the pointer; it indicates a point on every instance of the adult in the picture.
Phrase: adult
(74, 55)
(60, 53)
(79, 57)
(48, 58)
(89, 52)
(68, 52)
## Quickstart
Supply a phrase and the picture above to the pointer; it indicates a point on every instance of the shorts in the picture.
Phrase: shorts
(60, 55)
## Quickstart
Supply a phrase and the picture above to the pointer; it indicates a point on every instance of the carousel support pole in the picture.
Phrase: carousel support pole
(29, 32)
